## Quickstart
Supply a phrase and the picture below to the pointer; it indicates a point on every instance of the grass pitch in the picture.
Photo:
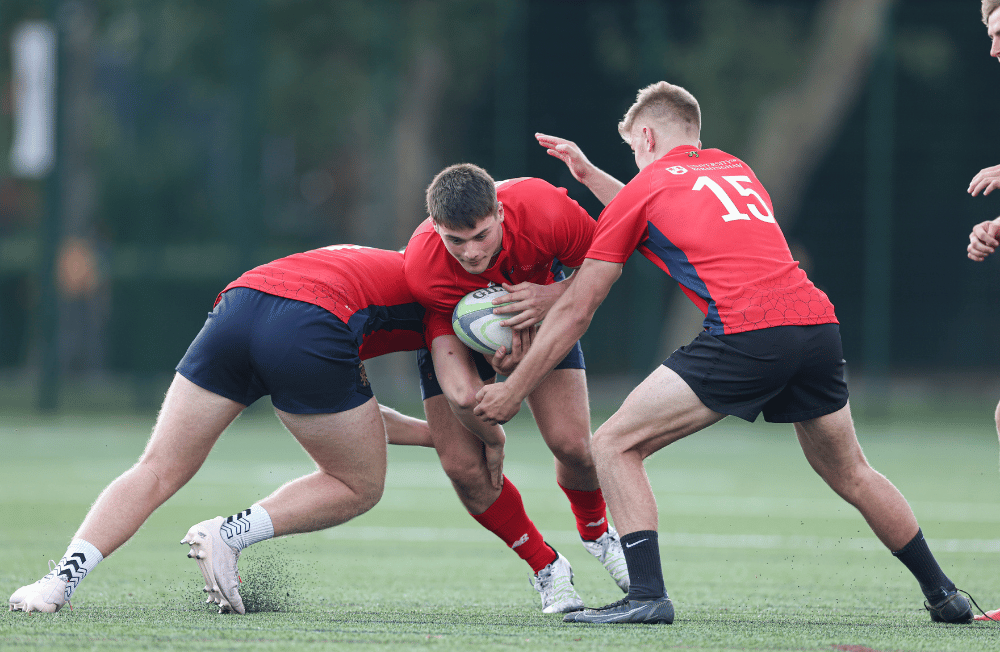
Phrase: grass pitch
(757, 552)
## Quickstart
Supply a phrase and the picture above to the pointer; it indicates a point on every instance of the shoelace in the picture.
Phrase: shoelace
(976, 605)
(52, 573)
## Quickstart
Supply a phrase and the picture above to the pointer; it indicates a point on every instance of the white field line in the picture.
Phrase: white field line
(667, 539)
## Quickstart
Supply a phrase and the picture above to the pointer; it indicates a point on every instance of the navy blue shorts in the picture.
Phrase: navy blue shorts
(429, 386)
(254, 344)
(790, 373)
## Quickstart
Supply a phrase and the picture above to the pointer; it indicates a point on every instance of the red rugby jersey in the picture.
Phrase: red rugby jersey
(363, 287)
(541, 224)
(704, 218)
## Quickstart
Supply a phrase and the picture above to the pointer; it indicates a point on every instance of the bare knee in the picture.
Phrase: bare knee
(851, 482)
(573, 450)
(369, 493)
(466, 473)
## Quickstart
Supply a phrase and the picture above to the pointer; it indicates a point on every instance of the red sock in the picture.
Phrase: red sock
(507, 519)
(590, 512)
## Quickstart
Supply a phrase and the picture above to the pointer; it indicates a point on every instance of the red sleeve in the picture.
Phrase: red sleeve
(623, 223)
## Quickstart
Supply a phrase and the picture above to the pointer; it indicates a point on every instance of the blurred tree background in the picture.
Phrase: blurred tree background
(198, 139)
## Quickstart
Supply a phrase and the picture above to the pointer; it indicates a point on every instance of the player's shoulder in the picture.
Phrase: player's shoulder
(423, 238)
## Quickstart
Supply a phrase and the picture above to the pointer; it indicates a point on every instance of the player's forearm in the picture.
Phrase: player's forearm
(491, 435)
(404, 430)
(603, 185)
(562, 328)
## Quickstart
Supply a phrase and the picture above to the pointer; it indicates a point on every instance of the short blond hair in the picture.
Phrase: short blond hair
(664, 102)
(989, 6)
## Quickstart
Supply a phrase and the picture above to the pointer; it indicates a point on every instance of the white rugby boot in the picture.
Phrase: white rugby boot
(217, 562)
(555, 584)
(47, 595)
(608, 550)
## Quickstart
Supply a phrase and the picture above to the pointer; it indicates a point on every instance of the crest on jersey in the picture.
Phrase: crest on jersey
(677, 169)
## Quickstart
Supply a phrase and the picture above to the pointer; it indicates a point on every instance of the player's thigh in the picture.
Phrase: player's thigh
(661, 410)
(457, 447)
(561, 407)
(190, 422)
(348, 445)
(830, 442)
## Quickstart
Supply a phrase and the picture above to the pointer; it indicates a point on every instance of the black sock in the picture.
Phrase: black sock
(642, 554)
(918, 558)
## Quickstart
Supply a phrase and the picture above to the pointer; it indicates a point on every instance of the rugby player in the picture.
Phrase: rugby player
(518, 234)
(297, 328)
(771, 344)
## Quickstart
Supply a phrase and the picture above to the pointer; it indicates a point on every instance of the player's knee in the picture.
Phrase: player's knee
(368, 493)
(463, 471)
(574, 452)
(602, 446)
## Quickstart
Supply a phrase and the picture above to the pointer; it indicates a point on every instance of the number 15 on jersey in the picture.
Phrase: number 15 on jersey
(729, 203)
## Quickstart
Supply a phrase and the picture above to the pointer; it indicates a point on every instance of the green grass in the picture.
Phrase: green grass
(758, 553)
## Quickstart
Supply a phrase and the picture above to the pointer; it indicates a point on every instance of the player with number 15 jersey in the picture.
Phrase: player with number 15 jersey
(702, 216)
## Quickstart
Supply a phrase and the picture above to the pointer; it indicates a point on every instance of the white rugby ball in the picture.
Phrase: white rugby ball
(477, 326)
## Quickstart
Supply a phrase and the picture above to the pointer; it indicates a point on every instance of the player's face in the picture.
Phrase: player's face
(993, 29)
(475, 248)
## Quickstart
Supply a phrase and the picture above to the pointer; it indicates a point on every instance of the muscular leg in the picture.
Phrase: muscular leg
(461, 455)
(349, 449)
(562, 411)
(831, 446)
(190, 421)
(661, 410)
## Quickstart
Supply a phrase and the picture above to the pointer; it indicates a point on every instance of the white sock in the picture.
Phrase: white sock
(248, 527)
(81, 557)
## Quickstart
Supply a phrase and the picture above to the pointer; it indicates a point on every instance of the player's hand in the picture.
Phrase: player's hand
(986, 181)
(983, 240)
(567, 152)
(504, 361)
(529, 301)
(494, 463)
(496, 404)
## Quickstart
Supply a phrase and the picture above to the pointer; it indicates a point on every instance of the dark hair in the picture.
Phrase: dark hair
(461, 195)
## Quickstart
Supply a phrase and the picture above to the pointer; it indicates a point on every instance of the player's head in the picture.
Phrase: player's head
(662, 112)
(991, 18)
(462, 203)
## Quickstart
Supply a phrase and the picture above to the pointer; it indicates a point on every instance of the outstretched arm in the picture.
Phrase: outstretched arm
(403, 430)
(603, 185)
(566, 322)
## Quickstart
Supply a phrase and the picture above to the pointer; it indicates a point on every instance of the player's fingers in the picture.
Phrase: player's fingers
(520, 321)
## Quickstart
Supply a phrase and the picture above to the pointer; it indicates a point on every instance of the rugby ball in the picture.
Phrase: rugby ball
(477, 326)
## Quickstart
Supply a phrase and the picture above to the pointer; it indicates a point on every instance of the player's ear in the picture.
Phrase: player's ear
(699, 144)
(437, 229)
(649, 138)
(499, 211)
